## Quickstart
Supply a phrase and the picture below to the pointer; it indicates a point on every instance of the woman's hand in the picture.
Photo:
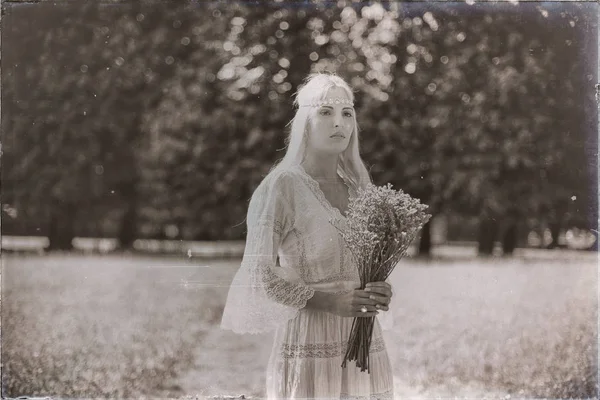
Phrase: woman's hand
(350, 303)
(381, 292)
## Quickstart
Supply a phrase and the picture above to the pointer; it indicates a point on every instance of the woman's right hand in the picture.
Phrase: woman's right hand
(349, 304)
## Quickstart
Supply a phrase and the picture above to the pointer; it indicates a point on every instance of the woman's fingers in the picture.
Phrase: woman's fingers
(364, 300)
(379, 294)
(382, 284)
(373, 292)
(367, 314)
(370, 308)
(380, 299)
(382, 288)
(370, 298)
(362, 293)
(371, 311)
(378, 286)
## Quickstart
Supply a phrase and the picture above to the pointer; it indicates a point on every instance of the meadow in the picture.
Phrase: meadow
(140, 326)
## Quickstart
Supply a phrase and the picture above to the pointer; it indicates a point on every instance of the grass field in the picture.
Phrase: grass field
(126, 326)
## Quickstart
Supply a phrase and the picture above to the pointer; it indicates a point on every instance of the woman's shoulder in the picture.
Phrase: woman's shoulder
(280, 183)
(283, 179)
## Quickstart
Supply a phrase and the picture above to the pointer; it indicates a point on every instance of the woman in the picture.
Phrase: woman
(297, 277)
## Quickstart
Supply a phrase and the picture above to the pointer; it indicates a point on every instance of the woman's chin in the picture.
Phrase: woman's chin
(338, 148)
(332, 149)
(334, 152)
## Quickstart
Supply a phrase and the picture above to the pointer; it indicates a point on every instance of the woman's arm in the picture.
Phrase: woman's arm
(344, 305)
(321, 301)
(259, 299)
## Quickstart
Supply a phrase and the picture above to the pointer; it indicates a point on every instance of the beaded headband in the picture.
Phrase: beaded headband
(325, 102)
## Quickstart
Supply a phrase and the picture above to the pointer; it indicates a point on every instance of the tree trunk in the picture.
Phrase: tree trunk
(594, 246)
(61, 227)
(509, 239)
(128, 229)
(554, 232)
(488, 229)
(425, 242)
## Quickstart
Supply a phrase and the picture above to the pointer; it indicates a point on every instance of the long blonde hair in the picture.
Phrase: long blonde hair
(350, 164)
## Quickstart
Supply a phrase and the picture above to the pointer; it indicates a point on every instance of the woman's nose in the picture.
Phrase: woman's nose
(338, 120)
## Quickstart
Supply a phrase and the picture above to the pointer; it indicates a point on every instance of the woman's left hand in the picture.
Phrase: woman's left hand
(380, 292)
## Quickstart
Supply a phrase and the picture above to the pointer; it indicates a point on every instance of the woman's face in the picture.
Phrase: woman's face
(330, 126)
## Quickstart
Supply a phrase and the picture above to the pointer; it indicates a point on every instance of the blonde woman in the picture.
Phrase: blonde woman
(297, 277)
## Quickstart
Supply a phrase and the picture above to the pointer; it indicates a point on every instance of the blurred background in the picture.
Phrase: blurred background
(134, 133)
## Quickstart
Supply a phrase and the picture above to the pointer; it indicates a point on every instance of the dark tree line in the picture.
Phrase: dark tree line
(133, 117)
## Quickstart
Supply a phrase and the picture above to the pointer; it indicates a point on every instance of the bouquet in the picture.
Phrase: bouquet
(381, 224)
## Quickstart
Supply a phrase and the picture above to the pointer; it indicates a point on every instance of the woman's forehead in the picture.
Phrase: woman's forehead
(336, 92)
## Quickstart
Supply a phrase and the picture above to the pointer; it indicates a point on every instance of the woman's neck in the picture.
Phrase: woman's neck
(324, 168)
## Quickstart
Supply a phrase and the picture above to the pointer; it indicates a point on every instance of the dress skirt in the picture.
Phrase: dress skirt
(307, 355)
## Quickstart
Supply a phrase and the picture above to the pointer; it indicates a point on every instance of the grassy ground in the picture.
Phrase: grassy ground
(125, 326)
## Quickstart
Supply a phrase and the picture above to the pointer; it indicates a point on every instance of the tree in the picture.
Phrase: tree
(159, 116)
(94, 78)
(235, 136)
(44, 145)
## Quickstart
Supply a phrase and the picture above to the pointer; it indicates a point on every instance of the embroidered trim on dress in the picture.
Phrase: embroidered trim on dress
(325, 350)
(281, 291)
(342, 276)
(342, 247)
(302, 255)
(389, 394)
(277, 225)
(316, 189)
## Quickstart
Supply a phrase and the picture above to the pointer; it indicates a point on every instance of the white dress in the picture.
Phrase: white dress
(292, 250)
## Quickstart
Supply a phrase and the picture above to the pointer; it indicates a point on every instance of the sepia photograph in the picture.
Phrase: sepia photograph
(311, 200)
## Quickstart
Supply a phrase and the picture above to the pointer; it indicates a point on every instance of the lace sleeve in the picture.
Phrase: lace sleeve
(260, 298)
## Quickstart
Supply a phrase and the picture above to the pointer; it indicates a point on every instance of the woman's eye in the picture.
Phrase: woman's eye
(348, 114)
(325, 112)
